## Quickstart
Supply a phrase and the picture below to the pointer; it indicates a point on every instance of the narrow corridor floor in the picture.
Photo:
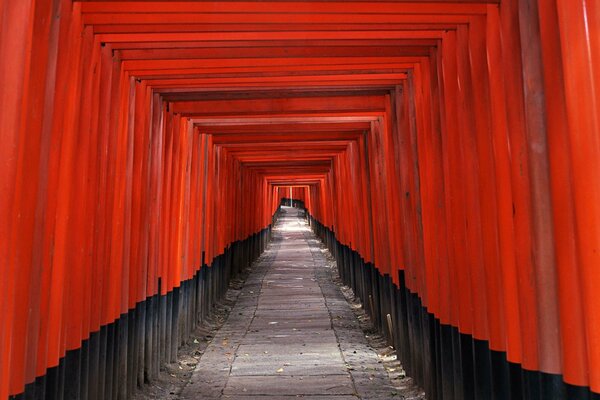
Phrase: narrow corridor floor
(291, 333)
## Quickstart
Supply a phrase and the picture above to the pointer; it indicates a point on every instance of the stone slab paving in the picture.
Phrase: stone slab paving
(291, 333)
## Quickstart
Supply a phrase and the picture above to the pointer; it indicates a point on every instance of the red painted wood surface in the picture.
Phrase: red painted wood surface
(456, 141)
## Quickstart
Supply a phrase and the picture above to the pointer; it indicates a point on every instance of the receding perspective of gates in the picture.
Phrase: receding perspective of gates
(447, 154)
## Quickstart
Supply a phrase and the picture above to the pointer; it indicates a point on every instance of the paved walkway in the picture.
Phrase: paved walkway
(291, 333)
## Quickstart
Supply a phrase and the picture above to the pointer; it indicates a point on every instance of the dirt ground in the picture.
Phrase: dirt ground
(174, 377)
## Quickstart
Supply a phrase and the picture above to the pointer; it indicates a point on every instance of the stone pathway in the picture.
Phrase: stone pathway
(291, 333)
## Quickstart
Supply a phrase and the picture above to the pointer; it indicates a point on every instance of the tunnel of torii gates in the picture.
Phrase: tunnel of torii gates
(447, 153)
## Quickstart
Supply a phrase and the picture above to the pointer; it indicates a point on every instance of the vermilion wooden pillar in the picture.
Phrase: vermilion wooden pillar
(446, 152)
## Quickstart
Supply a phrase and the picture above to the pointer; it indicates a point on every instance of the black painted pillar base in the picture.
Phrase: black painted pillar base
(448, 364)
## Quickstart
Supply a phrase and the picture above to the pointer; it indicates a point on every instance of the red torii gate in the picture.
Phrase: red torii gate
(450, 151)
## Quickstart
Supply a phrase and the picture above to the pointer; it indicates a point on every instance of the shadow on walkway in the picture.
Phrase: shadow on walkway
(291, 332)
